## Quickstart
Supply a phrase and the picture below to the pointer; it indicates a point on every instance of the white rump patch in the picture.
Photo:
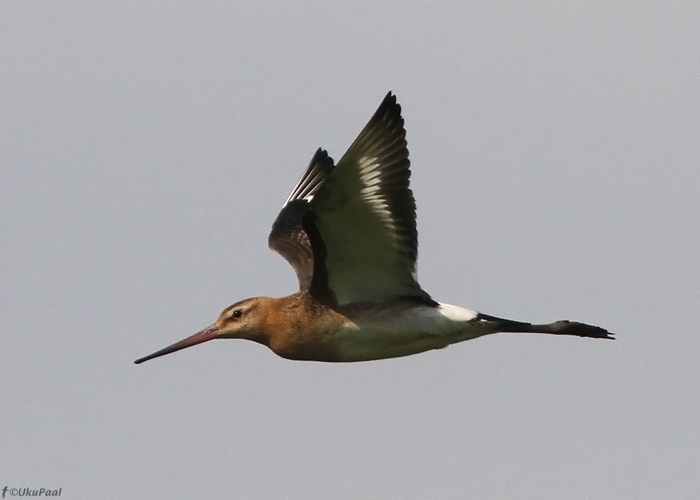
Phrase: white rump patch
(456, 313)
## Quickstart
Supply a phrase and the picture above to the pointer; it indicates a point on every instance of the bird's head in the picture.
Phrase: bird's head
(242, 320)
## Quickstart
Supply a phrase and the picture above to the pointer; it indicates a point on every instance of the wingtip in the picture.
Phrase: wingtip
(389, 103)
(316, 173)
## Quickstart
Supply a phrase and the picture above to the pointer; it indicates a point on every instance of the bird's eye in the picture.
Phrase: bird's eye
(237, 313)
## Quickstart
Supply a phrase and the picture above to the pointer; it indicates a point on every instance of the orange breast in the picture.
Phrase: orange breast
(299, 327)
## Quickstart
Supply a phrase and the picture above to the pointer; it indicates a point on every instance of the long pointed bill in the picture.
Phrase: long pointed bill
(209, 333)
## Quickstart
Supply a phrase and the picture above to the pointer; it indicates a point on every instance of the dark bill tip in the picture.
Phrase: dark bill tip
(209, 333)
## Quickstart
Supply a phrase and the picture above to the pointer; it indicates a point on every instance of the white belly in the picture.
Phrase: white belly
(394, 332)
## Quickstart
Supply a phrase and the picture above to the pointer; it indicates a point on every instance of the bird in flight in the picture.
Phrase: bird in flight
(349, 232)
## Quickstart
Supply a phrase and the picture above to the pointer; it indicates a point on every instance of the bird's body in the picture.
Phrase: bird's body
(349, 232)
(359, 331)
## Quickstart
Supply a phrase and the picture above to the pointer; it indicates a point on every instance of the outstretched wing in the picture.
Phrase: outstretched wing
(362, 220)
(287, 236)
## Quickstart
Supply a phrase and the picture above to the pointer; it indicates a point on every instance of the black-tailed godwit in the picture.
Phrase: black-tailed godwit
(349, 232)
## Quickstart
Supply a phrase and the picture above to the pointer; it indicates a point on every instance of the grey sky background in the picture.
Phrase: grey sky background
(146, 149)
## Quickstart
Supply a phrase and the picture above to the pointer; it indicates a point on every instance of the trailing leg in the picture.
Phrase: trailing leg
(562, 327)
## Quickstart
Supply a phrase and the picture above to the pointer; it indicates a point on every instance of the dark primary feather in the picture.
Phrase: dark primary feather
(288, 236)
(362, 220)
